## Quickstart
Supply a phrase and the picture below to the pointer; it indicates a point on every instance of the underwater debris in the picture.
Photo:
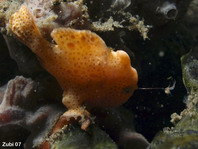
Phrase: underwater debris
(83, 65)
(135, 23)
(109, 25)
(138, 24)
(167, 90)
(120, 4)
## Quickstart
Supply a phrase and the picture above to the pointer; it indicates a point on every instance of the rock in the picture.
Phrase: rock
(119, 124)
(8, 66)
(185, 133)
(190, 20)
(74, 138)
(26, 60)
(190, 70)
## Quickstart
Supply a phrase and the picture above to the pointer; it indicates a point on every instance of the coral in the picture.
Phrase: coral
(23, 113)
(115, 22)
(16, 91)
(49, 15)
(161, 12)
(88, 71)
(168, 10)
(21, 107)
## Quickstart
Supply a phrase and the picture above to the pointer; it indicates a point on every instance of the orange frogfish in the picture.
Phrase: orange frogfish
(89, 72)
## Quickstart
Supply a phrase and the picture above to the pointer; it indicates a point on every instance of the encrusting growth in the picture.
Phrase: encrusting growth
(89, 72)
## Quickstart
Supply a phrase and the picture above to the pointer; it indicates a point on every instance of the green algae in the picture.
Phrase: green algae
(75, 138)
